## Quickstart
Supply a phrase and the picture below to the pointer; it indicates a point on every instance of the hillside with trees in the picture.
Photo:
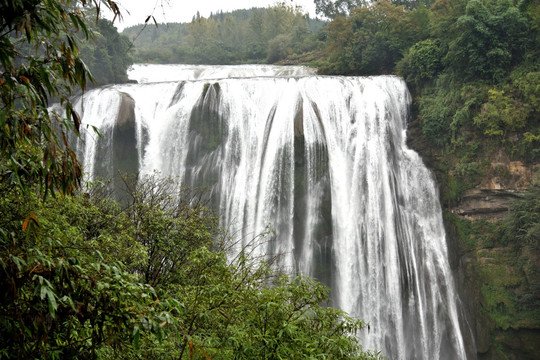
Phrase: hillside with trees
(256, 35)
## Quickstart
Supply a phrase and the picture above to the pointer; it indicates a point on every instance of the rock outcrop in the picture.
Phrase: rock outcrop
(485, 203)
(492, 198)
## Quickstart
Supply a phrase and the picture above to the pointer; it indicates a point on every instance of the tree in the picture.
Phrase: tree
(62, 298)
(170, 222)
(244, 310)
(39, 60)
(373, 38)
(107, 54)
(489, 40)
(422, 62)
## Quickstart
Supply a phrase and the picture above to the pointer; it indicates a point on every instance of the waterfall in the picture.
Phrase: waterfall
(321, 160)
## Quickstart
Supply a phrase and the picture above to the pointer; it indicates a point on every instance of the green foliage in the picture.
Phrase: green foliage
(107, 54)
(524, 222)
(500, 114)
(77, 273)
(506, 270)
(62, 299)
(245, 311)
(422, 62)
(490, 38)
(40, 59)
(254, 35)
(373, 38)
(169, 222)
(332, 9)
(513, 285)
(471, 65)
(279, 48)
(444, 110)
(509, 288)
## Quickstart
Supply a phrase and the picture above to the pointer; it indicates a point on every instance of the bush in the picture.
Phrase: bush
(423, 61)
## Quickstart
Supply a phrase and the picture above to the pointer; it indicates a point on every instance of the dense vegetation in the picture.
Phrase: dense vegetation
(242, 36)
(471, 65)
(107, 54)
(85, 277)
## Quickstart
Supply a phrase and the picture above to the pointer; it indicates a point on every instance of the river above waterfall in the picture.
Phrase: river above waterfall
(321, 160)
(148, 73)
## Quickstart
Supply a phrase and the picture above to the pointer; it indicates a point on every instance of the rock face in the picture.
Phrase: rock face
(485, 203)
(491, 199)
(124, 146)
(124, 149)
(505, 174)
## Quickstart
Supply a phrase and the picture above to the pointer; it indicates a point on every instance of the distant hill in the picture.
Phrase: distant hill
(242, 36)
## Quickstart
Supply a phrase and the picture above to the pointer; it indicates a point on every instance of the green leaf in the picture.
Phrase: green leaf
(136, 336)
(52, 302)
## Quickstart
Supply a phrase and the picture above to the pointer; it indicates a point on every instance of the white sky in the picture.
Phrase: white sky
(136, 11)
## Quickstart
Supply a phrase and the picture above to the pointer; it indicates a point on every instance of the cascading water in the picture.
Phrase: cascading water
(322, 161)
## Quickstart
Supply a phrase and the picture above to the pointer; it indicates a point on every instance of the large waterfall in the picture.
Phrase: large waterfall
(322, 161)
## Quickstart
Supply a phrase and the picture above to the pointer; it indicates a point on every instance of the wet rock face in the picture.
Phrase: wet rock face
(124, 144)
(126, 113)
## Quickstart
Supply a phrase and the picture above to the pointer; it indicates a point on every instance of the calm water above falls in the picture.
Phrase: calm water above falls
(322, 160)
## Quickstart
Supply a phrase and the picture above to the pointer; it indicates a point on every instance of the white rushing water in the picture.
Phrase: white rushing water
(323, 161)
(146, 73)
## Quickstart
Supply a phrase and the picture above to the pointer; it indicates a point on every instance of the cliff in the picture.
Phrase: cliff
(498, 273)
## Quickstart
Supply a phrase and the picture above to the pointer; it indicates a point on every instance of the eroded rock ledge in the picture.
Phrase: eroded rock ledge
(492, 198)
(485, 203)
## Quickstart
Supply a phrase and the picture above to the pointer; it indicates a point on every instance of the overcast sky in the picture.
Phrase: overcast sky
(136, 11)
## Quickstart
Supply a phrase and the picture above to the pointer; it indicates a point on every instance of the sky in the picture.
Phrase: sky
(136, 11)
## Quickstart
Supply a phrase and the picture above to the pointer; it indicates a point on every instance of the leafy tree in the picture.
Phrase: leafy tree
(422, 62)
(489, 40)
(39, 60)
(54, 305)
(107, 54)
(169, 222)
(62, 298)
(245, 311)
(236, 308)
(252, 35)
(500, 114)
(373, 38)
(334, 8)
(279, 48)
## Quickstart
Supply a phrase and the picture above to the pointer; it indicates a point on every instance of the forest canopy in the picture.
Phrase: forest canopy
(242, 36)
